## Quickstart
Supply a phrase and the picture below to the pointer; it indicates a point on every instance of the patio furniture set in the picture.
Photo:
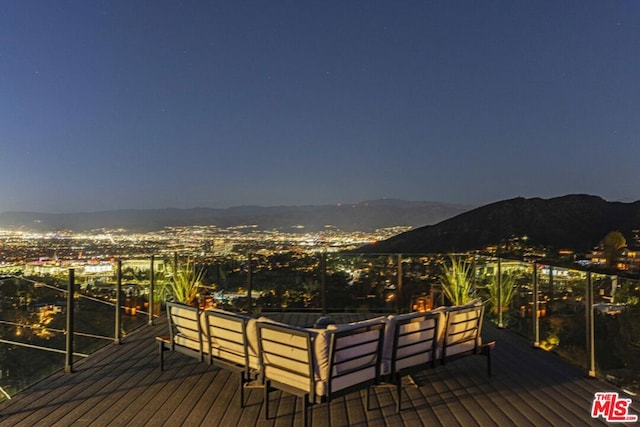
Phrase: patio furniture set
(320, 364)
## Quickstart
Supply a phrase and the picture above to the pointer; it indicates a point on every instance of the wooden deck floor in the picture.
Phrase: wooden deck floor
(122, 385)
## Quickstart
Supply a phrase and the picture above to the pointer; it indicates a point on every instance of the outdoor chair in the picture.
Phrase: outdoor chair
(185, 332)
(319, 365)
(462, 334)
(412, 343)
(228, 346)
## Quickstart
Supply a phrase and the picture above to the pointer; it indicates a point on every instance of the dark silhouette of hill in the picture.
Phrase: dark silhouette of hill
(363, 216)
(577, 222)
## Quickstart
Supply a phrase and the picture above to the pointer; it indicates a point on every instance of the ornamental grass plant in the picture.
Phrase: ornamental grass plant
(457, 280)
(501, 295)
(185, 283)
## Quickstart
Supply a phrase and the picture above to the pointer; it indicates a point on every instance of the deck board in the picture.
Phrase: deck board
(122, 385)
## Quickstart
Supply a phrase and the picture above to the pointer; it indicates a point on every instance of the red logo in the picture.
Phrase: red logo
(612, 408)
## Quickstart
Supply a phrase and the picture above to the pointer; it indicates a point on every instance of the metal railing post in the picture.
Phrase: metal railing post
(499, 283)
(175, 262)
(399, 286)
(118, 331)
(323, 282)
(249, 282)
(474, 266)
(551, 291)
(590, 326)
(68, 365)
(536, 322)
(151, 290)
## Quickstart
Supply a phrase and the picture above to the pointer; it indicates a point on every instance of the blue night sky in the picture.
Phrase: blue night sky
(153, 104)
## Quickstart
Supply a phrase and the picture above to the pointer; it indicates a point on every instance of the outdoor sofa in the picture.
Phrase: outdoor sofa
(218, 336)
(417, 341)
(319, 365)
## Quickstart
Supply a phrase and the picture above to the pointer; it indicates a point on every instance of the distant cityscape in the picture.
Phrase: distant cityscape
(37, 253)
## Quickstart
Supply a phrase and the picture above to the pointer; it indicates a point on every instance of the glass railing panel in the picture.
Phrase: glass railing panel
(281, 281)
(497, 295)
(33, 309)
(517, 296)
(286, 282)
(227, 279)
(563, 326)
(485, 283)
(295, 281)
(605, 331)
(617, 331)
(550, 291)
(433, 280)
(32, 321)
(135, 290)
(420, 290)
(24, 366)
(362, 282)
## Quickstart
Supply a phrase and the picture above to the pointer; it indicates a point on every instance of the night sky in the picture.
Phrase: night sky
(153, 104)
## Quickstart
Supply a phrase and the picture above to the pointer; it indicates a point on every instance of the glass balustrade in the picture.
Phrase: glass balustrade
(33, 315)
(549, 305)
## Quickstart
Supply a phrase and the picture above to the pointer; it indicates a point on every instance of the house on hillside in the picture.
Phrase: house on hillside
(629, 259)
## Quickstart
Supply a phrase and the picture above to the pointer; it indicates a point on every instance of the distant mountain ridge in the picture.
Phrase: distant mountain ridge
(577, 222)
(364, 216)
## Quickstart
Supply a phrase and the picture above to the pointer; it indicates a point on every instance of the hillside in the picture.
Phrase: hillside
(363, 216)
(577, 222)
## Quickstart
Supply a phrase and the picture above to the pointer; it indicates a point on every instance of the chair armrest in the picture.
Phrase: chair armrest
(163, 339)
(487, 347)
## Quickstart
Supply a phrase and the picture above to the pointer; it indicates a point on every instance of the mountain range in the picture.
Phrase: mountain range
(576, 222)
(364, 216)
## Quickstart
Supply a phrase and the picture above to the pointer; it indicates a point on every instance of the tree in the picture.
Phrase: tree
(612, 246)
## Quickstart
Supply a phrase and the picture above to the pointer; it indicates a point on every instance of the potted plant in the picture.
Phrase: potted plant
(457, 281)
(185, 283)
